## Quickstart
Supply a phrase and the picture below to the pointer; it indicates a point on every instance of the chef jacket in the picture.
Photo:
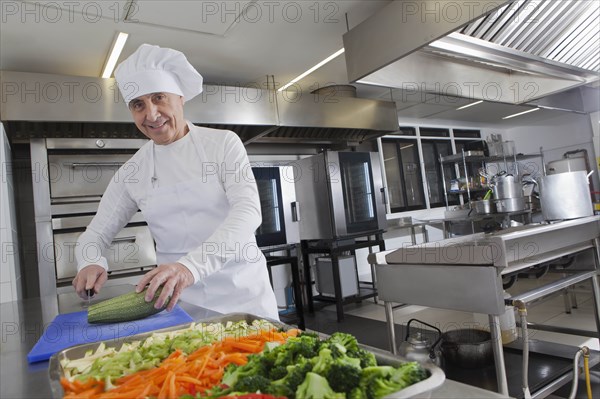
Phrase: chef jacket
(201, 203)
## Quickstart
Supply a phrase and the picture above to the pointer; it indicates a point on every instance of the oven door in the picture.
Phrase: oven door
(356, 192)
(278, 206)
(131, 251)
(83, 175)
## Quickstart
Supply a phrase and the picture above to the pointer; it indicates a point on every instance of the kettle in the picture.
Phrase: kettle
(417, 347)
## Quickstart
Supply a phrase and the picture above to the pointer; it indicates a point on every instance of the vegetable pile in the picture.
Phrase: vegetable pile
(239, 361)
(308, 368)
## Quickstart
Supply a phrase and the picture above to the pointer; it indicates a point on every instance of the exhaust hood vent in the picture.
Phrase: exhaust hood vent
(256, 116)
(523, 51)
(562, 31)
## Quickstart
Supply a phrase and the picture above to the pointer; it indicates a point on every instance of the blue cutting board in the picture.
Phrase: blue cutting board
(71, 329)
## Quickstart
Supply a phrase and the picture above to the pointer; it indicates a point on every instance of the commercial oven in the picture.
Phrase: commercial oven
(69, 178)
(340, 194)
(278, 204)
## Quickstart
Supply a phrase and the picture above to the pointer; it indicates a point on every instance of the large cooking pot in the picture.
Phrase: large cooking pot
(506, 186)
(506, 205)
(483, 207)
(467, 348)
(565, 196)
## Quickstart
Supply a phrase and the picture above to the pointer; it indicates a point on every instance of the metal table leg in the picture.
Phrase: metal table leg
(498, 354)
(307, 277)
(389, 317)
(337, 286)
(297, 292)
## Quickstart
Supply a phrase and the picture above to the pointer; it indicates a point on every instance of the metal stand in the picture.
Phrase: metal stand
(334, 248)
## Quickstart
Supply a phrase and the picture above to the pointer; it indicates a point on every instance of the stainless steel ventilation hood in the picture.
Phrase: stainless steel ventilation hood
(513, 52)
(256, 115)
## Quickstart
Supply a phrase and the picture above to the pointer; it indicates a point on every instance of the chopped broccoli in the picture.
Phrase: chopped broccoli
(287, 385)
(357, 393)
(326, 358)
(379, 381)
(348, 345)
(234, 372)
(317, 387)
(410, 373)
(287, 354)
(277, 372)
(251, 383)
(367, 359)
(343, 377)
(346, 340)
(322, 362)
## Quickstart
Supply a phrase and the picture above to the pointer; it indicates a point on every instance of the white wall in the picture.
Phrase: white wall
(557, 135)
(10, 272)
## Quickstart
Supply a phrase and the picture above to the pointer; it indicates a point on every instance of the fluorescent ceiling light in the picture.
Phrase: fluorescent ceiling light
(521, 113)
(311, 70)
(469, 105)
(115, 52)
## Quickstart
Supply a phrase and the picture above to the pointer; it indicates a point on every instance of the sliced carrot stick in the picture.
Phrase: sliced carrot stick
(179, 374)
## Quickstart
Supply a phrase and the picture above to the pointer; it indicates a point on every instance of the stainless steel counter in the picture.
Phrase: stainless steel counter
(465, 273)
(23, 323)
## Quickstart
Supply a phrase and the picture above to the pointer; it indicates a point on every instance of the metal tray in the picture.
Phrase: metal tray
(421, 389)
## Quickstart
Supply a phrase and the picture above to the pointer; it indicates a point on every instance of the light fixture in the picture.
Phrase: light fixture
(311, 70)
(115, 52)
(521, 113)
(469, 105)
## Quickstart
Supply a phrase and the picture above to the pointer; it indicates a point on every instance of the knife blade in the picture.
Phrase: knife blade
(89, 296)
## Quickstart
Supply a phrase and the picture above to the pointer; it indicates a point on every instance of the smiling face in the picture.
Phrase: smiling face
(159, 116)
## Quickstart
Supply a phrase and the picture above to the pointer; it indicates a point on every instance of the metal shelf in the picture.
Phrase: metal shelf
(490, 159)
(363, 293)
(333, 248)
(464, 158)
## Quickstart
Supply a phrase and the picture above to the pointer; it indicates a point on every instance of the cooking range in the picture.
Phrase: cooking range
(69, 178)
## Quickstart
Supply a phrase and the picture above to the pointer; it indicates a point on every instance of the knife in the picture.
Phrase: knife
(89, 296)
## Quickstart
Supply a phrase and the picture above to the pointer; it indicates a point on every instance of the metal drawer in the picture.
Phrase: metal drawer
(132, 248)
(84, 175)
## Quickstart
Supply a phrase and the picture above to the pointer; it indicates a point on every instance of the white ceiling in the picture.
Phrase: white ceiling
(229, 42)
(282, 39)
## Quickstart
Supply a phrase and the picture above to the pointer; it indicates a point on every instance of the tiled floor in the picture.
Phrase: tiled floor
(549, 312)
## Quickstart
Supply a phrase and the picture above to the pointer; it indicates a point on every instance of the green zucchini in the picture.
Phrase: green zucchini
(127, 307)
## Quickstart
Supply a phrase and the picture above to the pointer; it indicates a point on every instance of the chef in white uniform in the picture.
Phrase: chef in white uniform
(195, 188)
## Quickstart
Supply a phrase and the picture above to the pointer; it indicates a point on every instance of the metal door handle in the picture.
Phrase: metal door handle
(123, 239)
(383, 196)
(96, 164)
(295, 211)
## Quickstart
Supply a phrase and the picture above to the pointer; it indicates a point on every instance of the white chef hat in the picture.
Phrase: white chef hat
(152, 69)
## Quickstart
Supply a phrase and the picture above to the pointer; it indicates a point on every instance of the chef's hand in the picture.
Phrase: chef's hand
(91, 277)
(173, 277)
